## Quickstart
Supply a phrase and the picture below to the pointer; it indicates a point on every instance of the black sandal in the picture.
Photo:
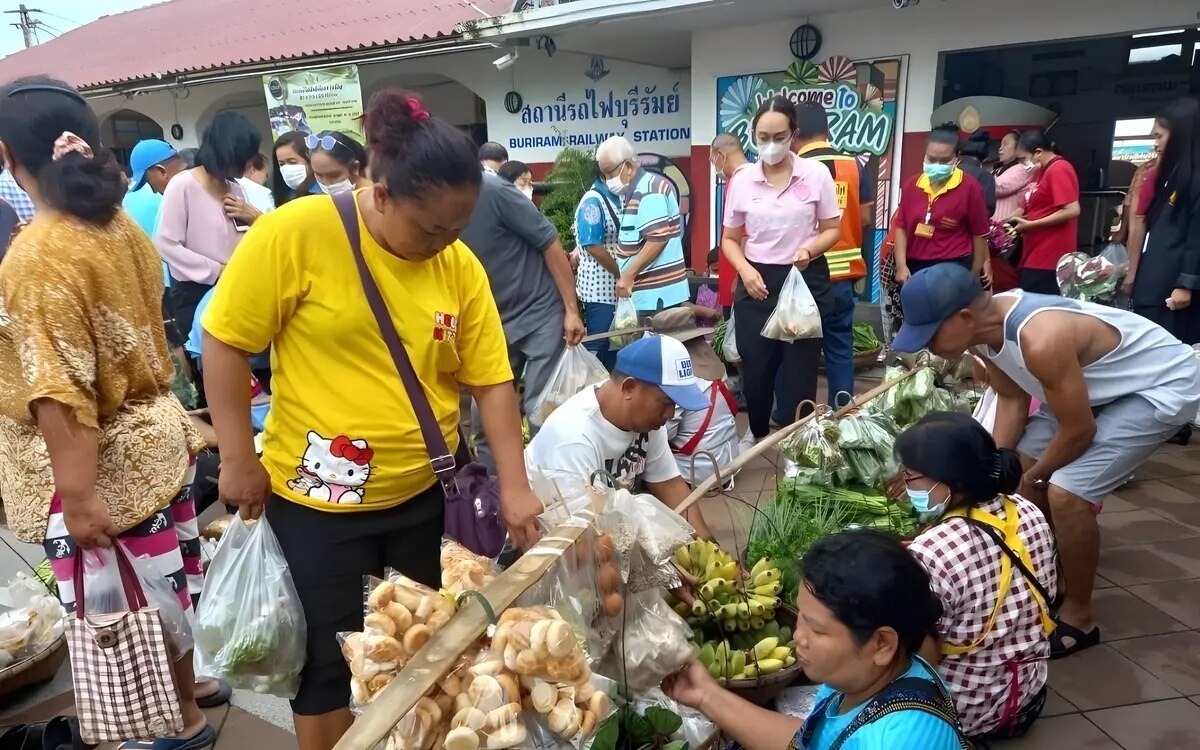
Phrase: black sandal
(1080, 640)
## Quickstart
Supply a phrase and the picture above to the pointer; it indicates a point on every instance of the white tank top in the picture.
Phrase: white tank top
(1148, 362)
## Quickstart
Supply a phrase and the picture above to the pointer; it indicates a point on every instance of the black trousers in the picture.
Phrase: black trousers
(1038, 281)
(763, 359)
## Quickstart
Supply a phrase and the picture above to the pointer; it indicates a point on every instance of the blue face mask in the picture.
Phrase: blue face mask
(920, 501)
(938, 172)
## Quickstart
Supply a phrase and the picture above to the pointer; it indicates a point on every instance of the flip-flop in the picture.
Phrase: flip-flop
(220, 698)
(1080, 640)
(203, 739)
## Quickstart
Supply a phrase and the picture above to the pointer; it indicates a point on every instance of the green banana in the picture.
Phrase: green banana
(737, 663)
(707, 655)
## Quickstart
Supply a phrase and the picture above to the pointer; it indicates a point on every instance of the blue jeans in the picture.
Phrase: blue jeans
(598, 318)
(837, 331)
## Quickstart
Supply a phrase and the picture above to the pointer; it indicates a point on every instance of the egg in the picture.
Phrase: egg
(608, 578)
(613, 603)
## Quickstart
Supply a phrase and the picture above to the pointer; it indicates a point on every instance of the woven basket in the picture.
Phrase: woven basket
(762, 690)
(39, 668)
(867, 359)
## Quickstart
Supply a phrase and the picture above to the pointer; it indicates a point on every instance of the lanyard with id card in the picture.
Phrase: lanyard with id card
(925, 228)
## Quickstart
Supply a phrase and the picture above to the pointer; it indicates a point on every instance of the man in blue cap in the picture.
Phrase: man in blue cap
(1113, 386)
(618, 427)
(153, 164)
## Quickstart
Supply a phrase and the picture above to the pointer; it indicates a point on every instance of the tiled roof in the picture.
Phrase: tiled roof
(187, 36)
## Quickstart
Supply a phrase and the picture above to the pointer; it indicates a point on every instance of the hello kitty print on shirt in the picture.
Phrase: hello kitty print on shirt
(334, 470)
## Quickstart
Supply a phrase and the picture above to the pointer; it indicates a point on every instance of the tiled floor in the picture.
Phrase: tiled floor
(1139, 690)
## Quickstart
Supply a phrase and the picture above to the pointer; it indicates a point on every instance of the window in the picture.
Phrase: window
(1153, 54)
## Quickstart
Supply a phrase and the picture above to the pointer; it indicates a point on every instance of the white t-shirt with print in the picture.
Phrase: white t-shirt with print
(577, 441)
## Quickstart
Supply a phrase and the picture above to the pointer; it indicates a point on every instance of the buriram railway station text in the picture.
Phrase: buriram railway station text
(592, 140)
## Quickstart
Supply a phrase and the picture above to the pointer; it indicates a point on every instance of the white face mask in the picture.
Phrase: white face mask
(344, 186)
(614, 183)
(772, 153)
(293, 175)
(528, 191)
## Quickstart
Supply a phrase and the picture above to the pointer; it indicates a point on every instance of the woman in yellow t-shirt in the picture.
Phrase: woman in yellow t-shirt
(344, 464)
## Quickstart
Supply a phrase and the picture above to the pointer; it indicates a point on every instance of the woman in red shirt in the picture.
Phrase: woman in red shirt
(1048, 220)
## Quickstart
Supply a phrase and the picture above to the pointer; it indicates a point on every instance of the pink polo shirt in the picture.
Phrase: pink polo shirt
(780, 222)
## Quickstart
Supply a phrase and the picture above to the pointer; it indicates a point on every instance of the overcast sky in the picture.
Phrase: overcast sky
(59, 16)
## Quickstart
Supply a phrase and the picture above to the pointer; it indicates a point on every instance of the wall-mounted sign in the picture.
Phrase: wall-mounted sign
(861, 119)
(314, 100)
(647, 105)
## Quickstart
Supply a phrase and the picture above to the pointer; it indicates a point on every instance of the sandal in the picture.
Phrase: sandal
(62, 733)
(203, 739)
(1079, 639)
(222, 696)
(22, 737)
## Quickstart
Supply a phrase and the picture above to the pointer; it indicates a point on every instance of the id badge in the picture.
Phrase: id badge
(924, 230)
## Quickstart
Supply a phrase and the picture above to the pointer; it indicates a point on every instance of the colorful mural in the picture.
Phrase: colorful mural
(862, 101)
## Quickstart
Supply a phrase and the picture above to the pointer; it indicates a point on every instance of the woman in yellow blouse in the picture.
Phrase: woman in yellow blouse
(345, 476)
(95, 449)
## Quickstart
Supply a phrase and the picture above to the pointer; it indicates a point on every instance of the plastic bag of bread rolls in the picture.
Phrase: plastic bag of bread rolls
(463, 570)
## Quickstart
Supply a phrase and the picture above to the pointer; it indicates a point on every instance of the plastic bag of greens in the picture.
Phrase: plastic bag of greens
(796, 315)
(576, 369)
(729, 350)
(250, 628)
(624, 318)
(814, 452)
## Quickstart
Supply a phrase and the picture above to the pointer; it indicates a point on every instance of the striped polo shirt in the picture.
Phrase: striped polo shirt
(651, 214)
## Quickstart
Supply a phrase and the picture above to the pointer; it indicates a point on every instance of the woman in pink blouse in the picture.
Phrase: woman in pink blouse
(786, 210)
(204, 213)
(1012, 176)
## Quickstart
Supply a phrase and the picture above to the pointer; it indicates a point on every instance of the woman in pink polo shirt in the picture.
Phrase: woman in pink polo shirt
(786, 210)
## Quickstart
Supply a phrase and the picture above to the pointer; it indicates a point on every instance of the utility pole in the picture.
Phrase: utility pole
(27, 25)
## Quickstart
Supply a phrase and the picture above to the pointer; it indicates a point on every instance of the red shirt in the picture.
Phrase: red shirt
(957, 213)
(1055, 187)
(1146, 194)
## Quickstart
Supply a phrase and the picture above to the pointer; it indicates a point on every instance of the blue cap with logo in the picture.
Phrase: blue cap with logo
(146, 154)
(931, 297)
(664, 362)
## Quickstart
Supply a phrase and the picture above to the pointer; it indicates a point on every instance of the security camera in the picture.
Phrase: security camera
(506, 62)
(902, 4)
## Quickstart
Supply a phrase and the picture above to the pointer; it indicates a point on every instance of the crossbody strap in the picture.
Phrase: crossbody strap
(435, 443)
(1043, 596)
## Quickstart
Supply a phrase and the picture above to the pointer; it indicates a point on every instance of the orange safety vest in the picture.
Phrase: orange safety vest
(845, 258)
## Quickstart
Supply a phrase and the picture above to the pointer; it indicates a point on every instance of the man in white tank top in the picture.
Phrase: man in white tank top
(1113, 387)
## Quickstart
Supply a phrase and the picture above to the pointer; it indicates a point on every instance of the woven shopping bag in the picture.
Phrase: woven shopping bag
(121, 665)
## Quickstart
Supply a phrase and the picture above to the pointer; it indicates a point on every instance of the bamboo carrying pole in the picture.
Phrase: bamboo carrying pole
(437, 657)
(771, 441)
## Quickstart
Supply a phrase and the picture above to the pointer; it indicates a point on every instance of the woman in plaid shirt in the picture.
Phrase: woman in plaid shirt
(990, 559)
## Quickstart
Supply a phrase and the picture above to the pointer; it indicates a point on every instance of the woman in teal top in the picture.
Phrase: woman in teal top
(865, 607)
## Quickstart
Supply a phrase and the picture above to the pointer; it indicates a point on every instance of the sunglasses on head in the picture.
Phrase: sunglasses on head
(326, 142)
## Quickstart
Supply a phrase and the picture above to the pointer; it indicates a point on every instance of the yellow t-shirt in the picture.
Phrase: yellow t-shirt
(341, 434)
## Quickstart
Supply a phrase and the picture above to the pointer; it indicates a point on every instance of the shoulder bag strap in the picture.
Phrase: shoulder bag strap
(1044, 595)
(612, 212)
(693, 443)
(435, 444)
(905, 694)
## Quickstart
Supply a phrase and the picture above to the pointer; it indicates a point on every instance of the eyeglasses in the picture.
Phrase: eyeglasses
(326, 142)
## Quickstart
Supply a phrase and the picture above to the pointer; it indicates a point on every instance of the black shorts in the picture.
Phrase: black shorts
(1038, 281)
(328, 555)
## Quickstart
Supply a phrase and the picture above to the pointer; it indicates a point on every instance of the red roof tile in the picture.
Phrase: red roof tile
(183, 36)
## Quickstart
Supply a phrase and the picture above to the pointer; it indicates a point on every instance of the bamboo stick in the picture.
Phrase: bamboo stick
(437, 657)
(771, 441)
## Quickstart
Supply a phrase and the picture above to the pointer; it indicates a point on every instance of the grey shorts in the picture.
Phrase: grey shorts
(1127, 432)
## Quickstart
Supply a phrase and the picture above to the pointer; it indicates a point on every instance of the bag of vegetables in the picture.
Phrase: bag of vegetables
(796, 315)
(250, 628)
(814, 450)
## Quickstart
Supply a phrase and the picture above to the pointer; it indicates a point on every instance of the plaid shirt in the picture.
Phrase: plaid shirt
(12, 194)
(964, 568)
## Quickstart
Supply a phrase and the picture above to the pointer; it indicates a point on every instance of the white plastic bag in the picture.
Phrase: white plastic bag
(796, 315)
(104, 593)
(250, 628)
(624, 318)
(576, 369)
(729, 351)
(985, 410)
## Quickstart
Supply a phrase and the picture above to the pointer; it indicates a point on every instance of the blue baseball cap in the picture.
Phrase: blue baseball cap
(931, 297)
(663, 361)
(147, 154)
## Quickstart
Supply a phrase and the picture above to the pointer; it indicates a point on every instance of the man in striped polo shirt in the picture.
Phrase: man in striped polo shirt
(650, 240)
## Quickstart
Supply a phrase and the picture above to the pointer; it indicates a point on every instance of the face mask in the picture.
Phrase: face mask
(614, 183)
(344, 186)
(920, 502)
(293, 175)
(772, 153)
(938, 172)
(528, 191)
(1029, 166)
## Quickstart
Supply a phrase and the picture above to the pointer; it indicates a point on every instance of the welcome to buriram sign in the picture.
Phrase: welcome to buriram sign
(860, 120)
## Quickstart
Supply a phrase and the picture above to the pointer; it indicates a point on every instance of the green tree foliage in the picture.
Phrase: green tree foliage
(572, 174)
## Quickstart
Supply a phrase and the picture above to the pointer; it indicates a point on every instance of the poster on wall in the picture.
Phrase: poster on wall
(312, 101)
(577, 102)
(861, 99)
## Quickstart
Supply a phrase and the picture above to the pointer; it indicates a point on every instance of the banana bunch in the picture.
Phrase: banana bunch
(722, 596)
(748, 655)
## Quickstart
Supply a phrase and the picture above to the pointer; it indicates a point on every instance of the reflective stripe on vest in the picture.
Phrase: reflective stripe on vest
(845, 258)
